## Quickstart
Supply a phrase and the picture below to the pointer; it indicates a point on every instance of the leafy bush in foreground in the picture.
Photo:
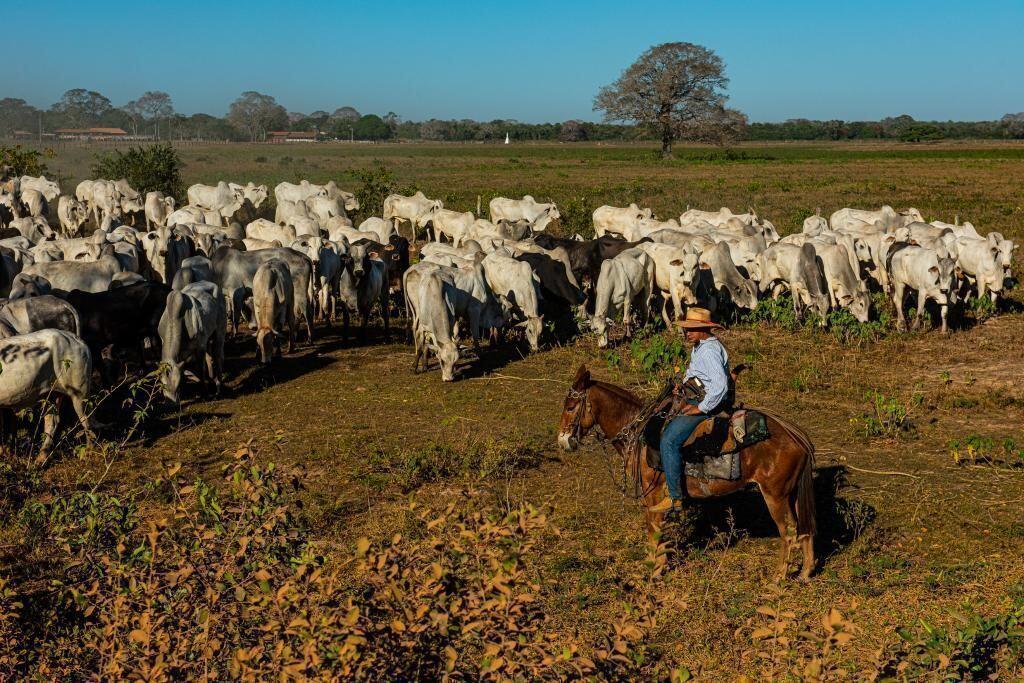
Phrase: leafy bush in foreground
(224, 584)
(153, 168)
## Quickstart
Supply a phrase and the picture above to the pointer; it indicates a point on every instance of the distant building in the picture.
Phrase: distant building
(292, 136)
(24, 135)
(92, 134)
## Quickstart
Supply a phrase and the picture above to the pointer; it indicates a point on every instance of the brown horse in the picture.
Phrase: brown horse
(782, 466)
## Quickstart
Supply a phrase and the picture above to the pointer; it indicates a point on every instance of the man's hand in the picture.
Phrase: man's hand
(691, 410)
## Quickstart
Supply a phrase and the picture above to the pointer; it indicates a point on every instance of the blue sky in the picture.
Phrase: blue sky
(531, 60)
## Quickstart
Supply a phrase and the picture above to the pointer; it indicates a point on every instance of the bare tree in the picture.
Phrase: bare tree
(256, 113)
(671, 89)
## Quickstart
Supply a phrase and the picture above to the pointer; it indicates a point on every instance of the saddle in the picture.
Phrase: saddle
(713, 450)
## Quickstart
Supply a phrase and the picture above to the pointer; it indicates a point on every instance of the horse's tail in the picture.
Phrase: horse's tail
(806, 518)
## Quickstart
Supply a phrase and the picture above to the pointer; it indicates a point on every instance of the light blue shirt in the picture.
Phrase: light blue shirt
(709, 363)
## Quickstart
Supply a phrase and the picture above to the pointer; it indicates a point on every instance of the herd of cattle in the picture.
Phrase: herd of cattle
(159, 280)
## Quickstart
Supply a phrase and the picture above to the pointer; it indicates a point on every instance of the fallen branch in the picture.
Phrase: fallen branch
(901, 474)
(496, 375)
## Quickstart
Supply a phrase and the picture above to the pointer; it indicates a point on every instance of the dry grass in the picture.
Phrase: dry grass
(913, 544)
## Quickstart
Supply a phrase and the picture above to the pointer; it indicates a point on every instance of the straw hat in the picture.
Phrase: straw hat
(698, 319)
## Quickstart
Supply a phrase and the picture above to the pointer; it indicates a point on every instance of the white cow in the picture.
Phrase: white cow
(192, 329)
(399, 208)
(676, 275)
(538, 214)
(845, 288)
(287, 209)
(325, 208)
(35, 229)
(262, 229)
(726, 278)
(980, 259)
(890, 219)
(624, 283)
(646, 227)
(434, 329)
(614, 219)
(221, 198)
(455, 225)
(193, 214)
(914, 267)
(48, 188)
(273, 308)
(158, 208)
(256, 194)
(378, 229)
(797, 268)
(297, 193)
(41, 366)
(517, 287)
(72, 215)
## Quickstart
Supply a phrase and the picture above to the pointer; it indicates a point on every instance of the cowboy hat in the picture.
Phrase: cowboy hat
(698, 319)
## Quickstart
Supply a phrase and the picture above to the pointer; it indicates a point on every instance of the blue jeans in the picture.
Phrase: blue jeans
(673, 437)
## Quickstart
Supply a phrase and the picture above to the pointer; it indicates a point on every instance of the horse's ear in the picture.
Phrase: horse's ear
(582, 377)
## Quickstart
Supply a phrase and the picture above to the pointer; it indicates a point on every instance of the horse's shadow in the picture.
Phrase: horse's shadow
(722, 522)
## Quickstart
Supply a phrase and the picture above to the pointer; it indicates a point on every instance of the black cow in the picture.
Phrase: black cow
(119, 319)
(586, 256)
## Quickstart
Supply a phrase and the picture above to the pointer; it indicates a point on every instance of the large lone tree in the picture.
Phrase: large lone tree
(675, 89)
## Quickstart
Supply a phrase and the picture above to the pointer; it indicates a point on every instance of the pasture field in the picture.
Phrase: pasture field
(920, 437)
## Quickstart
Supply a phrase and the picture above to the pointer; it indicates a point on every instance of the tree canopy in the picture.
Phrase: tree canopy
(256, 113)
(675, 89)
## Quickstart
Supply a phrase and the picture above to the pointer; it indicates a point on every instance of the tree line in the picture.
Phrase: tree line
(253, 115)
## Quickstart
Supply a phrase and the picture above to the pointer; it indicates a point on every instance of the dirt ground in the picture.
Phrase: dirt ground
(906, 531)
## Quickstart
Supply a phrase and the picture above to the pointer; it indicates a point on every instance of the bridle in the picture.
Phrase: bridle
(582, 405)
(626, 439)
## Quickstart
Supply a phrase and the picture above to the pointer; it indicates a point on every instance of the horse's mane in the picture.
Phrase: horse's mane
(618, 391)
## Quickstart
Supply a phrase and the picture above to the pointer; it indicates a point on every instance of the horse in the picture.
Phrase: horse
(782, 466)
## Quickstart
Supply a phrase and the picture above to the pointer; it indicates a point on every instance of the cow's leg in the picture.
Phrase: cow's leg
(386, 312)
(78, 404)
(944, 313)
(307, 315)
(664, 311)
(897, 298)
(51, 420)
(627, 316)
(922, 298)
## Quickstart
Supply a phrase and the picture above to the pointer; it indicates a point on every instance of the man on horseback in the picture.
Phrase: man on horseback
(704, 390)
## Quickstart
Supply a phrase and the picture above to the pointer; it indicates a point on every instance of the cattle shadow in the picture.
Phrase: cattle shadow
(722, 522)
(249, 376)
(164, 421)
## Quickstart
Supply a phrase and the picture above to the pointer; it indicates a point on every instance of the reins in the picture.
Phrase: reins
(627, 438)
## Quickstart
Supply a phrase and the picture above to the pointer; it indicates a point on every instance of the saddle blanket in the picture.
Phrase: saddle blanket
(713, 451)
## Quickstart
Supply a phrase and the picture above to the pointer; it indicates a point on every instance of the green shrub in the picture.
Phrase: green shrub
(153, 168)
(377, 183)
(775, 312)
(577, 216)
(981, 307)
(888, 416)
(975, 648)
(24, 161)
(975, 449)
(652, 354)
